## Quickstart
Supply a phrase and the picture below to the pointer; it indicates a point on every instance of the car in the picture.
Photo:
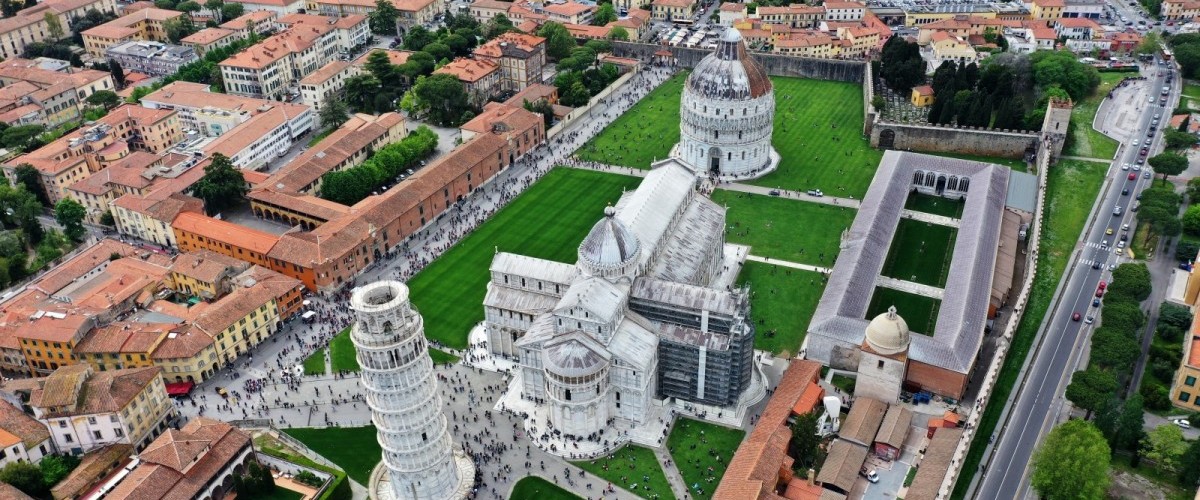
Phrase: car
(774, 192)
(1112, 267)
(815, 192)
(1102, 285)
(1141, 160)
(1095, 302)
(1125, 192)
(1125, 167)
(1076, 316)
(1125, 237)
(1121, 244)
(1089, 320)
(1144, 151)
(1137, 168)
(1125, 227)
(873, 476)
(1182, 422)
(1100, 293)
(1146, 174)
(1096, 265)
(1108, 231)
(1149, 133)
(1132, 176)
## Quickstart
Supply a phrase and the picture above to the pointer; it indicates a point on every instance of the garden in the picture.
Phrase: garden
(536, 488)
(634, 468)
(701, 451)
(919, 312)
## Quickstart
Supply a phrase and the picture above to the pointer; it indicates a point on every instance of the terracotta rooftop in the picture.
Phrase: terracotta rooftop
(262, 121)
(11, 492)
(923, 90)
(115, 28)
(229, 309)
(895, 426)
(207, 36)
(179, 464)
(21, 424)
(673, 3)
(396, 57)
(861, 424)
(498, 118)
(352, 137)
(511, 44)
(92, 468)
(124, 337)
(934, 466)
(79, 391)
(533, 93)
(733, 7)
(228, 232)
(292, 40)
(185, 344)
(567, 9)
(256, 17)
(491, 4)
(843, 463)
(306, 204)
(469, 70)
(325, 73)
(206, 266)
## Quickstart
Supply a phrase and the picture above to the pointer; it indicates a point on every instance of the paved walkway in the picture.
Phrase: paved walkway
(793, 265)
(910, 287)
(940, 220)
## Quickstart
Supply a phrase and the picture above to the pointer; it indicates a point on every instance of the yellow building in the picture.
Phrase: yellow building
(146, 24)
(948, 47)
(123, 345)
(922, 96)
(921, 18)
(149, 217)
(808, 44)
(239, 321)
(204, 274)
(29, 25)
(1047, 9)
(671, 10)
(1175, 10)
(1185, 392)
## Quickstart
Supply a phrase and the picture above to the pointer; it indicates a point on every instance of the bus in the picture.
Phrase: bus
(683, 22)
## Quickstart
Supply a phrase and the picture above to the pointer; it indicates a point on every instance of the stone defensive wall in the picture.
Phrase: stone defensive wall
(775, 64)
(951, 139)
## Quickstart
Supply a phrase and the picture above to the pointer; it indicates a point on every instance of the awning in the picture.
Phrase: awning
(179, 388)
(308, 314)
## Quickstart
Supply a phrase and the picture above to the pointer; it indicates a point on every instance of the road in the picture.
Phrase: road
(1038, 404)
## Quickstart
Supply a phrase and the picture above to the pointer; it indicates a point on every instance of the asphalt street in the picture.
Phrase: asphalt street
(1039, 403)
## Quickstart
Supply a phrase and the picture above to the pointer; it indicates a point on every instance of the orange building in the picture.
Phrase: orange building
(195, 231)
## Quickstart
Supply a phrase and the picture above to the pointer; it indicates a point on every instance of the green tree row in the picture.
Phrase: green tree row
(353, 184)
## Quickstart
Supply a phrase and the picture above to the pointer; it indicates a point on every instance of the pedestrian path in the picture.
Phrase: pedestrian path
(678, 485)
(793, 265)
(940, 220)
(910, 287)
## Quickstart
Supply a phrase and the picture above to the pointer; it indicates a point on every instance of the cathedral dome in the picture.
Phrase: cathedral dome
(729, 73)
(609, 246)
(888, 333)
(574, 358)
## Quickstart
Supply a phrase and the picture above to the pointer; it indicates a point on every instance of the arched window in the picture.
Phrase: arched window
(962, 184)
(930, 179)
(716, 134)
(739, 135)
(918, 177)
(953, 184)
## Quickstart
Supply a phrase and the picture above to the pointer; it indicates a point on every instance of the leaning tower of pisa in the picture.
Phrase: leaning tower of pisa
(401, 390)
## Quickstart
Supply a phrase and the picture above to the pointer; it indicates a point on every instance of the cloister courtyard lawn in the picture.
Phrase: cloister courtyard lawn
(354, 449)
(918, 311)
(784, 228)
(782, 303)
(536, 488)
(548, 221)
(632, 465)
(920, 253)
(935, 205)
(818, 134)
(696, 446)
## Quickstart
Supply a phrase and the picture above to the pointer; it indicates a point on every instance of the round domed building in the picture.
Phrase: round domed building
(726, 114)
(883, 360)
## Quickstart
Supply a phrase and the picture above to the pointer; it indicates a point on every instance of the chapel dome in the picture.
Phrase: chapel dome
(573, 358)
(609, 245)
(888, 333)
(729, 73)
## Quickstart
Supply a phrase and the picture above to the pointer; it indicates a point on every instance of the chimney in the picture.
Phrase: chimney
(812, 477)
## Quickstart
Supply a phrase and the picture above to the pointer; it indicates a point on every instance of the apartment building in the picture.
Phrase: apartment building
(948, 47)
(1047, 9)
(22, 437)
(86, 409)
(143, 25)
(845, 11)
(123, 345)
(569, 12)
(151, 58)
(259, 22)
(520, 57)
(205, 274)
(1178, 10)
(352, 29)
(268, 133)
(149, 217)
(277, 7)
(480, 78)
(274, 67)
(1077, 28)
(670, 10)
(794, 16)
(809, 44)
(138, 175)
(29, 25)
(348, 146)
(485, 10)
(325, 83)
(211, 38)
(33, 95)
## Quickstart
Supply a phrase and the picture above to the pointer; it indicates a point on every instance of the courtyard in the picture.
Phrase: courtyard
(920, 252)
(782, 302)
(782, 228)
(918, 311)
(935, 205)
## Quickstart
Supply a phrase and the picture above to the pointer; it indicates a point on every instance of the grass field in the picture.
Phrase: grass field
(643, 133)
(695, 446)
(442, 357)
(314, 364)
(918, 311)
(548, 221)
(1071, 191)
(629, 466)
(1084, 140)
(1191, 91)
(781, 303)
(821, 145)
(782, 228)
(935, 205)
(536, 488)
(341, 353)
(354, 449)
(920, 253)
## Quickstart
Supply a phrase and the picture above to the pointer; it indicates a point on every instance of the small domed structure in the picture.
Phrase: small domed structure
(610, 249)
(727, 114)
(888, 333)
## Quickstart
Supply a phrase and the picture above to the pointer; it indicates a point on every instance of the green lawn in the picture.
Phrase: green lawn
(820, 142)
(442, 357)
(935, 205)
(548, 221)
(920, 253)
(536, 488)
(782, 228)
(1191, 90)
(1013, 163)
(339, 488)
(629, 466)
(281, 493)
(846, 384)
(651, 127)
(918, 311)
(695, 447)
(341, 352)
(314, 364)
(781, 303)
(1085, 140)
(354, 449)
(1072, 190)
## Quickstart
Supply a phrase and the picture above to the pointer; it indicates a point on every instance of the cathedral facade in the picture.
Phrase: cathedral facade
(649, 311)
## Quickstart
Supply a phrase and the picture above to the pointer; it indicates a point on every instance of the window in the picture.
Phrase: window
(1189, 381)
(881, 364)
(62, 424)
(97, 435)
(119, 432)
(92, 420)
(1184, 397)
(68, 438)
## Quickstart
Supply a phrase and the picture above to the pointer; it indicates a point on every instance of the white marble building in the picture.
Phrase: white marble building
(727, 114)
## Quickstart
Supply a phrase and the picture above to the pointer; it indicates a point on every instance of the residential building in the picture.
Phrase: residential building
(1047, 9)
(352, 30)
(45, 72)
(240, 320)
(729, 12)
(275, 66)
(520, 57)
(485, 10)
(844, 11)
(259, 22)
(151, 58)
(858, 41)
(523, 129)
(197, 232)
(635, 23)
(86, 409)
(569, 12)
(266, 134)
(809, 44)
(29, 25)
(1176, 10)
(325, 83)
(205, 274)
(277, 7)
(670, 10)
(137, 174)
(1185, 391)
(212, 114)
(948, 47)
(94, 466)
(211, 38)
(142, 25)
(123, 345)
(31, 94)
(794, 16)
(480, 77)
(22, 437)
(149, 218)
(417, 13)
(199, 460)
(1077, 28)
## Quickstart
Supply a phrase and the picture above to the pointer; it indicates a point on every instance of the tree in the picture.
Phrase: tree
(618, 33)
(30, 178)
(1176, 139)
(118, 73)
(443, 98)
(497, 25)
(1165, 447)
(1131, 280)
(222, 185)
(1114, 349)
(577, 95)
(806, 442)
(70, 214)
(383, 18)
(233, 10)
(188, 6)
(359, 90)
(1186, 250)
(106, 98)
(1090, 389)
(1123, 315)
(1173, 321)
(1168, 164)
(1129, 425)
(1150, 45)
(558, 40)
(56, 467)
(334, 112)
(604, 14)
(179, 28)
(439, 50)
(1071, 463)
(26, 477)
(901, 66)
(214, 6)
(54, 26)
(1062, 69)
(1189, 466)
(21, 136)
(417, 38)
(542, 107)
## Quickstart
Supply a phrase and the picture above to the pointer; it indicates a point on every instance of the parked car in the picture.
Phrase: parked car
(1182, 422)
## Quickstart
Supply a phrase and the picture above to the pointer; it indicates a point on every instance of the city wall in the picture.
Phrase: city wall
(950, 139)
(775, 64)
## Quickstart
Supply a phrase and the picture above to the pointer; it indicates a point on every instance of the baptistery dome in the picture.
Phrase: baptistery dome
(727, 114)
